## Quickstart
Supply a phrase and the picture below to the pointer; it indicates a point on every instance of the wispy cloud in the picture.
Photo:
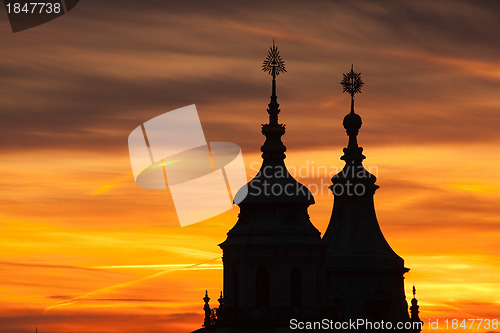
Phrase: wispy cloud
(170, 268)
(75, 226)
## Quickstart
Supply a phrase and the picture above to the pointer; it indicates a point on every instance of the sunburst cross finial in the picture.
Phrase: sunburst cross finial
(352, 84)
(273, 64)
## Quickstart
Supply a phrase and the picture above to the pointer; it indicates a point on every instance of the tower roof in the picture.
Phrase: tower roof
(273, 205)
(273, 183)
(353, 236)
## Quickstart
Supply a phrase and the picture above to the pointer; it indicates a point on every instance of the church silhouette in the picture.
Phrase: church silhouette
(281, 276)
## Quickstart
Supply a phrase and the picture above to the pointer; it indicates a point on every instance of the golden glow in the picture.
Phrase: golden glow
(121, 265)
(130, 283)
(83, 249)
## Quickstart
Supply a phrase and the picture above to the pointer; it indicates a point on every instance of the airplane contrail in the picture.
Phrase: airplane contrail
(126, 284)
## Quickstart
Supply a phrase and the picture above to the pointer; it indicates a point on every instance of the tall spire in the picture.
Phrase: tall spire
(273, 65)
(272, 238)
(356, 247)
(273, 173)
(273, 149)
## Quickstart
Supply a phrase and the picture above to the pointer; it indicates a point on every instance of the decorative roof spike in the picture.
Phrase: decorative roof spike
(221, 300)
(273, 64)
(352, 84)
(273, 149)
(414, 308)
(208, 312)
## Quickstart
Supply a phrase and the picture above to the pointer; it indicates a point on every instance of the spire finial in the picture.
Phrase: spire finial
(352, 84)
(274, 65)
(414, 308)
(273, 149)
(208, 312)
(221, 300)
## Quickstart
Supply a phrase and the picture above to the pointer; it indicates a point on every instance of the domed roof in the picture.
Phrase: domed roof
(273, 184)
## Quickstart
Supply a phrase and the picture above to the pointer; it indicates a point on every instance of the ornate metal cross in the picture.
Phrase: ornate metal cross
(352, 84)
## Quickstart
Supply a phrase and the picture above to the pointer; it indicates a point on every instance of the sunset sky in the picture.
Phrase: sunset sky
(83, 249)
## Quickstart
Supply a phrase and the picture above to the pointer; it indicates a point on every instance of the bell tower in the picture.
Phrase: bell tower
(273, 257)
(364, 276)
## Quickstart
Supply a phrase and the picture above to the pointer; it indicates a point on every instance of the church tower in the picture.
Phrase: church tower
(273, 257)
(277, 267)
(364, 276)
